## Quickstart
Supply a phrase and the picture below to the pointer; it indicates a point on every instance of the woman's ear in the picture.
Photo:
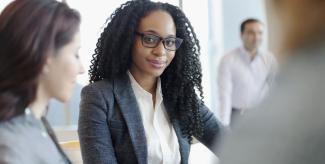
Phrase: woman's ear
(46, 68)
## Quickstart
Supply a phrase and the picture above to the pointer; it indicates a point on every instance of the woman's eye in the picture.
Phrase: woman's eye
(170, 42)
(150, 39)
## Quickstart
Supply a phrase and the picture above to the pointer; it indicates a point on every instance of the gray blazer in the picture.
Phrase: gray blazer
(111, 129)
(23, 139)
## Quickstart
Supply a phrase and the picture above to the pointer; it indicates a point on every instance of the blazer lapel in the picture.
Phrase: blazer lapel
(184, 146)
(129, 108)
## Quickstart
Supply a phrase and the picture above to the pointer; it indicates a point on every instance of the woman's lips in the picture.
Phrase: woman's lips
(157, 63)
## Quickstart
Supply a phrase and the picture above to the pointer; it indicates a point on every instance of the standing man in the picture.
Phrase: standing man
(245, 73)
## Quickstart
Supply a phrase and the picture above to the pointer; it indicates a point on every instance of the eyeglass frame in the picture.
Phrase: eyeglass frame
(161, 39)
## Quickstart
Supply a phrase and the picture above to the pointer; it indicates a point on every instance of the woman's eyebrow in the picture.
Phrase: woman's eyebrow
(156, 33)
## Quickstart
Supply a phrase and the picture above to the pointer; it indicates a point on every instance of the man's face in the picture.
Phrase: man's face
(252, 36)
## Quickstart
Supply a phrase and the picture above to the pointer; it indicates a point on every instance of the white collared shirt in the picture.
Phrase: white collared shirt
(243, 82)
(162, 142)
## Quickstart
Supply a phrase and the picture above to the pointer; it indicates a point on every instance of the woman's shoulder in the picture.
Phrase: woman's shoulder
(107, 85)
(10, 140)
(20, 126)
(98, 87)
(101, 84)
(12, 126)
(99, 91)
(22, 141)
(17, 131)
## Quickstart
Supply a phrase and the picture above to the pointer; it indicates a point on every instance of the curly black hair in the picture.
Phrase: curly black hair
(181, 79)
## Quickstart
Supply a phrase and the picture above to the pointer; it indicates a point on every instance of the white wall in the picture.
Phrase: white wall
(4, 3)
(94, 14)
(197, 13)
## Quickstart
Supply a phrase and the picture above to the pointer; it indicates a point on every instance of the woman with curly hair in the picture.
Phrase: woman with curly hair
(141, 105)
(39, 43)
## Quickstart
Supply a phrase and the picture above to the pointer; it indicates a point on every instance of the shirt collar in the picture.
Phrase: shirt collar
(138, 89)
(246, 55)
(31, 119)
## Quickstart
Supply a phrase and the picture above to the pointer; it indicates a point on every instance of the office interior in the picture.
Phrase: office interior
(216, 23)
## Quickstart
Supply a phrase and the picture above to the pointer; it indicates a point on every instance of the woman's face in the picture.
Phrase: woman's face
(153, 61)
(59, 74)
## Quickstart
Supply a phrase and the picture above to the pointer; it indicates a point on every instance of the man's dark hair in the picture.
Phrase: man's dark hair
(248, 21)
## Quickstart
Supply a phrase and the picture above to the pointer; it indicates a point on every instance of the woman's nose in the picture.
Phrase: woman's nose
(160, 50)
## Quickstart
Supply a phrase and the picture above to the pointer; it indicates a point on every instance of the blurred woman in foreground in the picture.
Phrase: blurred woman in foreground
(39, 42)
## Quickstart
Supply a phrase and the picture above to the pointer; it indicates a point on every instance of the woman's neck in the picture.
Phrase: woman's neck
(148, 83)
(38, 109)
(38, 106)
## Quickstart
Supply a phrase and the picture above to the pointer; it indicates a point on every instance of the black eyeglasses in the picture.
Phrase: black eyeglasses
(152, 41)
